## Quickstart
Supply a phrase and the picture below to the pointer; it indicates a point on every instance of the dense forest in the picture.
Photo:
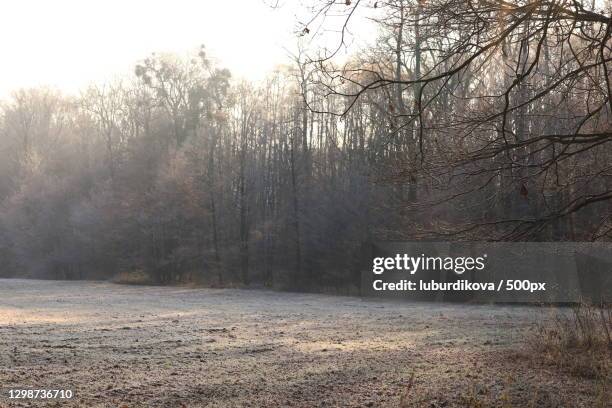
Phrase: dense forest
(487, 120)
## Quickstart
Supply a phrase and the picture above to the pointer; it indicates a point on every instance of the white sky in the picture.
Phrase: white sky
(68, 44)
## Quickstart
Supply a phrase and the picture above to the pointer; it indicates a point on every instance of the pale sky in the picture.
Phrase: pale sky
(68, 44)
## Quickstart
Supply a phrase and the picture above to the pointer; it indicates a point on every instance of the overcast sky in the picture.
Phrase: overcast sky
(69, 43)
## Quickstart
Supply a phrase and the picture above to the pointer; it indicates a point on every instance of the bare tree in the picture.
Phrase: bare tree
(503, 89)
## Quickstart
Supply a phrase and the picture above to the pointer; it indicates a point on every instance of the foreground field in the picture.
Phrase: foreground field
(129, 346)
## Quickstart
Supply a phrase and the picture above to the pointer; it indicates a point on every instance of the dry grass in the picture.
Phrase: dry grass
(136, 277)
(512, 395)
(159, 346)
(577, 341)
(572, 342)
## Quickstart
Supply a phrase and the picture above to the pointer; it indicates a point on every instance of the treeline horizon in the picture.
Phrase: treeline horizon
(180, 173)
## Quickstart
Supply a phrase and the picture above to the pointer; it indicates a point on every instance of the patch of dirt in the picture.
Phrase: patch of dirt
(143, 346)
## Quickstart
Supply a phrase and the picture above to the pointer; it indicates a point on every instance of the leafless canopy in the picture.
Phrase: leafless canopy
(518, 91)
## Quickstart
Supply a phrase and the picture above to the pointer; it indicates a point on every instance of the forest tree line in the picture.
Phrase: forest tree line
(482, 120)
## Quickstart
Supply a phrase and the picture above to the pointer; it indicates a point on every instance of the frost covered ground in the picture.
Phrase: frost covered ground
(141, 346)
